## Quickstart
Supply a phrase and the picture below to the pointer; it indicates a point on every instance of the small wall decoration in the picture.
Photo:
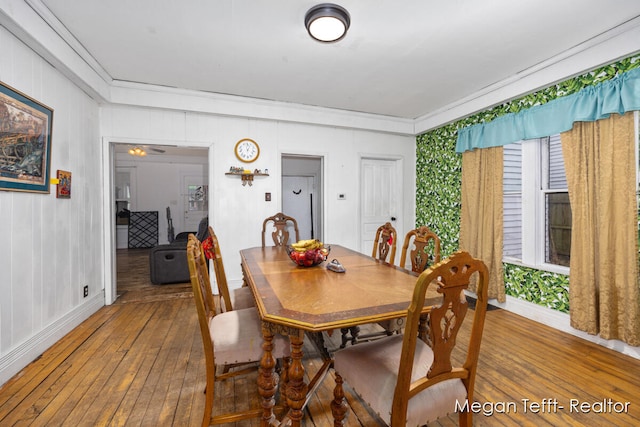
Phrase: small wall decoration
(63, 190)
(25, 142)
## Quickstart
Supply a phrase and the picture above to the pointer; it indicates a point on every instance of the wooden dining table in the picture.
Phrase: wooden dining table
(294, 300)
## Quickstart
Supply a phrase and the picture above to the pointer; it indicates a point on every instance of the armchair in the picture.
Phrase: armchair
(168, 263)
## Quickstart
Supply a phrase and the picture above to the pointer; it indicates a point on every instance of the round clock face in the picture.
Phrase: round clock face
(247, 150)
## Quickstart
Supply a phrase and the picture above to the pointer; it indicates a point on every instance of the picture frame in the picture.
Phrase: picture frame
(63, 189)
(25, 142)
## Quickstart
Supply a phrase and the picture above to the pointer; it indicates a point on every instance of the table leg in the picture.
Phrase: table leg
(296, 388)
(339, 406)
(267, 380)
(354, 330)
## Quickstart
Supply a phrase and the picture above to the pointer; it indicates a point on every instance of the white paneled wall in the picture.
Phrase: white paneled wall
(237, 212)
(50, 248)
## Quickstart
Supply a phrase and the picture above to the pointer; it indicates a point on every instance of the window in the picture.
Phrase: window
(557, 207)
(537, 213)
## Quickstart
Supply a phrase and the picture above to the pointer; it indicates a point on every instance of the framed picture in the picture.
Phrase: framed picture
(63, 190)
(25, 142)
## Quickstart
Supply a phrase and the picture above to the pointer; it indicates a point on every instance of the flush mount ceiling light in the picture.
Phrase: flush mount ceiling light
(327, 22)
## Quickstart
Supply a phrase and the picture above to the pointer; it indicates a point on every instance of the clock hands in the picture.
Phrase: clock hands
(247, 150)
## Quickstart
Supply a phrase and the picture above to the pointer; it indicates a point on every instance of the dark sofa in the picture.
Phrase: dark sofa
(168, 263)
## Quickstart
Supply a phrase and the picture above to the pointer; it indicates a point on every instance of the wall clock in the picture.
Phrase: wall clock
(247, 150)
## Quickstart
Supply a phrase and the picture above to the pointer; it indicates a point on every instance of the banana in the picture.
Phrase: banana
(303, 243)
(306, 245)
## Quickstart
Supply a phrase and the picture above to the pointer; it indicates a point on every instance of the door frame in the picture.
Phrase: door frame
(110, 277)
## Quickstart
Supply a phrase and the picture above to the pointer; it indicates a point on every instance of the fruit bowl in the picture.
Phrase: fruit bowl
(308, 257)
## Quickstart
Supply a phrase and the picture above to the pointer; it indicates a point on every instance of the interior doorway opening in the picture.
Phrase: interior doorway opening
(302, 193)
(162, 181)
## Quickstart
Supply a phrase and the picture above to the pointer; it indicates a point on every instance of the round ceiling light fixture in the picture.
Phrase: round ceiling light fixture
(327, 22)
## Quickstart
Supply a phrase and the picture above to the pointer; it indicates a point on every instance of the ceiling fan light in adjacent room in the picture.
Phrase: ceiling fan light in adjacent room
(327, 22)
(137, 151)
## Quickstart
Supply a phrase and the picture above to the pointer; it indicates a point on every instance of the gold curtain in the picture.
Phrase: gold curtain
(600, 166)
(481, 231)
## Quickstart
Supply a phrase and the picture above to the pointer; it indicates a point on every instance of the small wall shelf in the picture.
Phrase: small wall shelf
(246, 177)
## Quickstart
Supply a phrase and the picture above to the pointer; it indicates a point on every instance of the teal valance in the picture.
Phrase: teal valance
(618, 95)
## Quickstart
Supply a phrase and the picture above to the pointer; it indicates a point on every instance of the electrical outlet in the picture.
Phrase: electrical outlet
(86, 291)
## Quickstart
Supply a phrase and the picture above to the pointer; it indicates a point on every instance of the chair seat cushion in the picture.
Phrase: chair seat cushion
(242, 298)
(237, 338)
(371, 370)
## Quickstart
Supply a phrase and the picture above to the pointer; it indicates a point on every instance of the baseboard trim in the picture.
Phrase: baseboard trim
(20, 356)
(561, 322)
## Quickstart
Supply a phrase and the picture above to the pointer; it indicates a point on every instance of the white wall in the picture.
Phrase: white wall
(50, 248)
(158, 180)
(235, 211)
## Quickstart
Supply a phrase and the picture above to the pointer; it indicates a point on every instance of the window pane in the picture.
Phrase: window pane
(558, 228)
(556, 179)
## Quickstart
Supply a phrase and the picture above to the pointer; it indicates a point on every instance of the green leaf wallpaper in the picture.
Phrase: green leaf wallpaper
(547, 289)
(439, 173)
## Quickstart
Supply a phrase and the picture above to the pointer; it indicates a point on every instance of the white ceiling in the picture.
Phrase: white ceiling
(403, 59)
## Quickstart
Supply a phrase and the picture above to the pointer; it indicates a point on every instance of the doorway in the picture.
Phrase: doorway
(154, 182)
(302, 195)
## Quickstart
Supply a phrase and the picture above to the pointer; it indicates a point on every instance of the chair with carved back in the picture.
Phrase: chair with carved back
(422, 241)
(280, 234)
(231, 339)
(410, 379)
(384, 244)
(384, 249)
(231, 299)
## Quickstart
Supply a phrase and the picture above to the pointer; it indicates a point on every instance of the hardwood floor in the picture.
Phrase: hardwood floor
(139, 362)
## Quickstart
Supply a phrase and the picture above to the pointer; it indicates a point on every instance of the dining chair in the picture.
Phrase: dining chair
(231, 339)
(280, 234)
(409, 381)
(233, 299)
(422, 241)
(384, 244)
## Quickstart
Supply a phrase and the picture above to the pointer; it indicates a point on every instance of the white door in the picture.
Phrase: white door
(298, 201)
(381, 195)
(195, 202)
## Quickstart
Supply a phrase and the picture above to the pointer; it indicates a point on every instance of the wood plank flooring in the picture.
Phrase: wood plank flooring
(140, 362)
